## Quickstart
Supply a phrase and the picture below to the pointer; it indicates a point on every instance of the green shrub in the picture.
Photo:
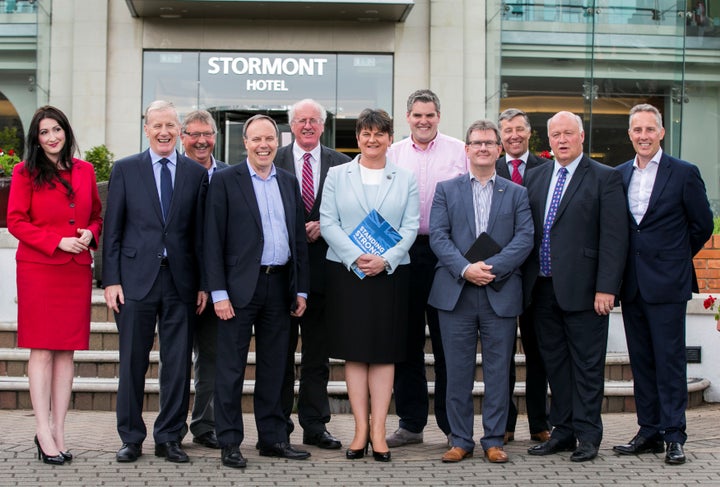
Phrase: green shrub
(102, 160)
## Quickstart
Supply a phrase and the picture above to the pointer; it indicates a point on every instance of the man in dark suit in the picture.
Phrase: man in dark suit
(307, 122)
(515, 133)
(151, 272)
(257, 269)
(572, 277)
(468, 306)
(670, 221)
(198, 139)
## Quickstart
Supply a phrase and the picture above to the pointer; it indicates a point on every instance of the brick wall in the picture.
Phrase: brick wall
(707, 266)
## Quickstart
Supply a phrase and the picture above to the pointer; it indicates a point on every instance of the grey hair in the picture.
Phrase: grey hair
(578, 120)
(160, 105)
(511, 113)
(200, 116)
(307, 101)
(646, 107)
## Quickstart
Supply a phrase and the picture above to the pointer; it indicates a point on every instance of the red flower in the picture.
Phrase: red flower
(709, 302)
(11, 152)
(546, 154)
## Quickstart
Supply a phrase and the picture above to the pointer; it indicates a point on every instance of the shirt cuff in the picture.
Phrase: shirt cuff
(220, 295)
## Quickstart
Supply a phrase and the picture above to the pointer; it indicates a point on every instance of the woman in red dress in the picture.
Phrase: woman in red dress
(54, 212)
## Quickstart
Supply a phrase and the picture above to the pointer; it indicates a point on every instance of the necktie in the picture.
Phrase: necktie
(545, 266)
(166, 187)
(516, 176)
(308, 191)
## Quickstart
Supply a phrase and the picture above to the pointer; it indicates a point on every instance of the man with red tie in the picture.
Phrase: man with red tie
(515, 133)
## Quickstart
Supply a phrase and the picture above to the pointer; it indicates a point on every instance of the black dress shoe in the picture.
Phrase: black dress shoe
(584, 452)
(381, 456)
(208, 440)
(231, 457)
(129, 452)
(172, 452)
(674, 455)
(322, 440)
(551, 447)
(283, 450)
(640, 444)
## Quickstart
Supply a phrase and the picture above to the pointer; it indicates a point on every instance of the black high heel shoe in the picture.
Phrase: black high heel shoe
(381, 456)
(67, 455)
(351, 454)
(56, 460)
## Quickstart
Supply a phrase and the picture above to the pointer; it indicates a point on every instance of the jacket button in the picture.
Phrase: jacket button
(72, 222)
(72, 205)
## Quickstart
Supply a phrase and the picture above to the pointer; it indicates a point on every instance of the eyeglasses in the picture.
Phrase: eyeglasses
(311, 121)
(477, 144)
(197, 135)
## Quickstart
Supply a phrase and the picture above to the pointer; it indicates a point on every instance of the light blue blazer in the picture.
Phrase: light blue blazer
(344, 206)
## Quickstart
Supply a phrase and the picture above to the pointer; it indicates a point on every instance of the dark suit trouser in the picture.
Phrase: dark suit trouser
(410, 388)
(313, 404)
(573, 346)
(655, 336)
(203, 412)
(269, 311)
(535, 379)
(136, 326)
(472, 317)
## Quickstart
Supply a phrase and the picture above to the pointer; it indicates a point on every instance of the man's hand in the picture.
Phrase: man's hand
(114, 297)
(312, 231)
(300, 306)
(202, 299)
(604, 303)
(224, 309)
(479, 274)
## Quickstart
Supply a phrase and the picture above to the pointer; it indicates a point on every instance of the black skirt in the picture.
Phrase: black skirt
(367, 318)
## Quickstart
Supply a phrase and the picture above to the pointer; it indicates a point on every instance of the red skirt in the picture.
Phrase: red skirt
(54, 305)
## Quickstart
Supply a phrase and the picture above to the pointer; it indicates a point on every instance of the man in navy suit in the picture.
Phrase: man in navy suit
(198, 139)
(670, 221)
(515, 132)
(478, 298)
(151, 272)
(307, 122)
(257, 269)
(572, 277)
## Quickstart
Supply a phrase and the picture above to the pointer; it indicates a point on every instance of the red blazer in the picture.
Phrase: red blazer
(40, 218)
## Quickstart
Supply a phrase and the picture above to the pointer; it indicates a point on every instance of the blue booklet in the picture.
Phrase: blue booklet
(374, 235)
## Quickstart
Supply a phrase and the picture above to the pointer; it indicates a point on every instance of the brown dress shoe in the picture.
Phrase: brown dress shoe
(495, 454)
(509, 436)
(541, 437)
(456, 454)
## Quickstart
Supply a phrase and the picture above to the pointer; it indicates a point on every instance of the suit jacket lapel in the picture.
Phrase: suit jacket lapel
(496, 202)
(248, 192)
(573, 185)
(353, 174)
(147, 176)
(324, 167)
(465, 192)
(287, 190)
(501, 168)
(388, 177)
(179, 185)
(661, 179)
(543, 178)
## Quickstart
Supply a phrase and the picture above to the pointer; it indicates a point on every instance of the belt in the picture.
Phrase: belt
(272, 269)
(164, 262)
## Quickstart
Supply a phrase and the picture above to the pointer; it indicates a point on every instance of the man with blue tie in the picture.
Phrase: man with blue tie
(256, 261)
(572, 278)
(670, 221)
(152, 250)
(479, 298)
(198, 139)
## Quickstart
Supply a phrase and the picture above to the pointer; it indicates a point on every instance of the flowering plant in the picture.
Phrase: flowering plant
(709, 303)
(546, 154)
(7, 162)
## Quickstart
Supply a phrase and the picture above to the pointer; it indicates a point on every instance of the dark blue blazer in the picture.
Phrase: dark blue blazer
(135, 234)
(675, 227)
(234, 237)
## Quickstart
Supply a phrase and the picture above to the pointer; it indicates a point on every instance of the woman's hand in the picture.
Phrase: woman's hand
(370, 265)
(75, 245)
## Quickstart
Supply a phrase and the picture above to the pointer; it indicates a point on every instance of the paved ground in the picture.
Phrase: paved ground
(93, 441)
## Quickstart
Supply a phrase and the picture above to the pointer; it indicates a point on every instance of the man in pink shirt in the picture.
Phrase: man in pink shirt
(432, 157)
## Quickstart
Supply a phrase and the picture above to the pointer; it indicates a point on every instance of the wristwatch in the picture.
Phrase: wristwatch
(387, 265)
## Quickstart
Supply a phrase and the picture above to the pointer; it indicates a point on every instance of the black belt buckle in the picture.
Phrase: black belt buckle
(271, 269)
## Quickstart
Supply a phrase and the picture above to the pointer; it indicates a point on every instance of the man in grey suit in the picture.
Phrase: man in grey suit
(152, 250)
(307, 122)
(515, 132)
(198, 139)
(479, 298)
(573, 277)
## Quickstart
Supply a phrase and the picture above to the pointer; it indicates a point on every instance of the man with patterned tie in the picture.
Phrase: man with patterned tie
(309, 162)
(572, 278)
(151, 272)
(515, 133)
